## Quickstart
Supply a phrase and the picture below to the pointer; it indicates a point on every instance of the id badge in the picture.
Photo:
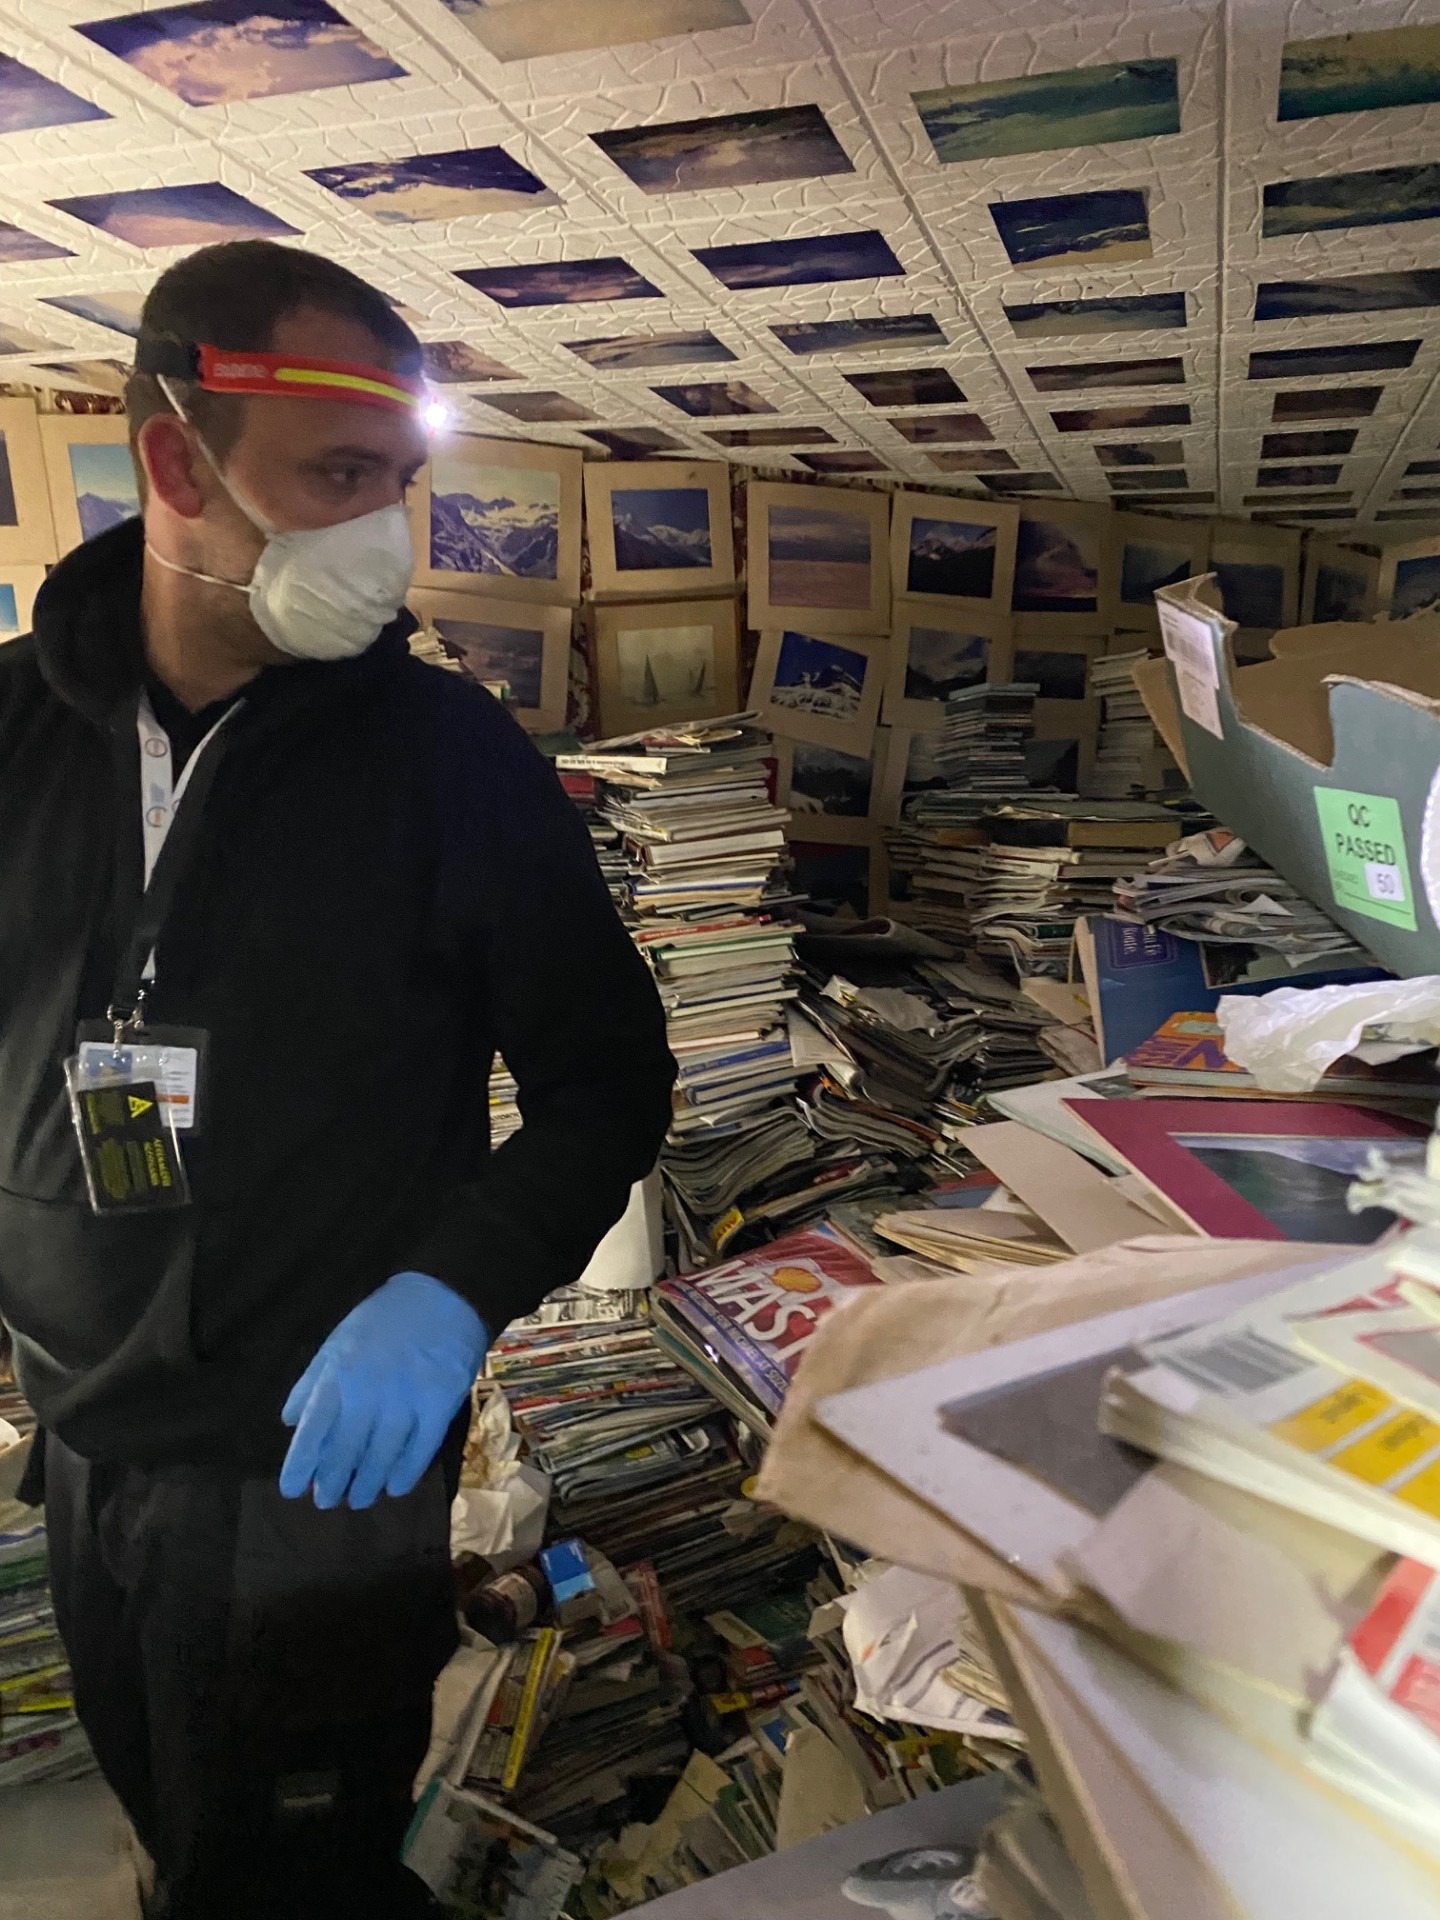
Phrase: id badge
(173, 1057)
(128, 1146)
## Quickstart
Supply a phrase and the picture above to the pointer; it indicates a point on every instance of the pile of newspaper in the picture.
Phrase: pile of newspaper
(1130, 759)
(40, 1738)
(1210, 887)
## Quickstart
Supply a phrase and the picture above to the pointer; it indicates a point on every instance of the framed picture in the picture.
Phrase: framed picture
(665, 661)
(514, 642)
(828, 792)
(955, 553)
(1257, 570)
(905, 764)
(659, 526)
(1151, 552)
(819, 687)
(27, 523)
(840, 878)
(934, 653)
(1065, 554)
(1337, 582)
(18, 588)
(1253, 1169)
(1409, 579)
(819, 558)
(90, 474)
(487, 511)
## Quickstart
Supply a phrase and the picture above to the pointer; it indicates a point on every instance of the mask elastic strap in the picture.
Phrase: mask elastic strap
(193, 573)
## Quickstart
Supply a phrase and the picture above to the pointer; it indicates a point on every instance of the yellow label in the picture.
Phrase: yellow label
(1423, 1491)
(728, 1224)
(1325, 1422)
(1378, 1456)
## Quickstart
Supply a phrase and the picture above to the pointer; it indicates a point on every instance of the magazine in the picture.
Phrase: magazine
(483, 1863)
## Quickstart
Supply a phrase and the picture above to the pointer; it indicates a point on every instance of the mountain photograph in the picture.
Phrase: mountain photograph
(660, 527)
(491, 519)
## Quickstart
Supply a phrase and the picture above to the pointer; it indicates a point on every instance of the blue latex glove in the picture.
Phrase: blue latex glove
(373, 1406)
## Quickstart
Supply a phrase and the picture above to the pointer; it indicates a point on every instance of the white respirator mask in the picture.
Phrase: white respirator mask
(317, 593)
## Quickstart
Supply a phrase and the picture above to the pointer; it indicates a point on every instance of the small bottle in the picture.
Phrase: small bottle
(507, 1606)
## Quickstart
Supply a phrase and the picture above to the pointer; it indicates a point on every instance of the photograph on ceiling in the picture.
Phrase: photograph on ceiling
(28, 101)
(1419, 493)
(95, 376)
(453, 362)
(1075, 378)
(974, 460)
(521, 653)
(906, 387)
(17, 340)
(1075, 229)
(539, 408)
(614, 353)
(770, 436)
(1314, 475)
(1359, 293)
(1369, 356)
(534, 32)
(665, 661)
(1120, 419)
(1423, 466)
(1057, 675)
(729, 150)
(17, 247)
(436, 186)
(192, 216)
(218, 52)
(922, 428)
(823, 780)
(716, 397)
(560, 283)
(105, 487)
(1141, 453)
(1380, 196)
(1057, 563)
(1038, 112)
(634, 443)
(844, 460)
(1326, 403)
(1146, 479)
(857, 336)
(820, 688)
(1359, 72)
(1021, 483)
(1122, 313)
(819, 557)
(1307, 446)
(815, 260)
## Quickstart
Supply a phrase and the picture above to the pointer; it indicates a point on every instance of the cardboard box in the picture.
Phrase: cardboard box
(1324, 758)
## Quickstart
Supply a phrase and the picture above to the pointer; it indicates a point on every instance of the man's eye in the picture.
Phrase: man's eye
(344, 476)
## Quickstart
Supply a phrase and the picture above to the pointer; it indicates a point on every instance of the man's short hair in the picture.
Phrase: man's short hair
(234, 295)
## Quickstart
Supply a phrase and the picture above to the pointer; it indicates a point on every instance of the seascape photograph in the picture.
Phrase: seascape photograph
(18, 248)
(659, 527)
(1381, 196)
(1141, 453)
(906, 387)
(1314, 475)
(436, 186)
(184, 216)
(1123, 313)
(1057, 568)
(955, 557)
(617, 353)
(843, 460)
(974, 460)
(118, 311)
(923, 429)
(1120, 419)
(1359, 72)
(770, 436)
(455, 362)
(542, 29)
(1326, 403)
(817, 260)
(1040, 112)
(819, 557)
(635, 443)
(492, 519)
(28, 100)
(1359, 293)
(1308, 446)
(1075, 229)
(1316, 363)
(1087, 375)
(560, 283)
(715, 397)
(539, 408)
(730, 150)
(863, 335)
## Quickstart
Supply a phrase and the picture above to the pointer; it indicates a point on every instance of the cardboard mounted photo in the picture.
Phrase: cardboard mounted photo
(1324, 758)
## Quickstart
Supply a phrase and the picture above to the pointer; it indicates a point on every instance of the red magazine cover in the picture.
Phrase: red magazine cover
(759, 1312)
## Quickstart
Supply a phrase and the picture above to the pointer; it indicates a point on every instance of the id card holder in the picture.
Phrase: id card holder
(173, 1057)
(128, 1146)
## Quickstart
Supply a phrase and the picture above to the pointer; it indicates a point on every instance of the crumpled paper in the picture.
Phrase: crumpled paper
(1289, 1037)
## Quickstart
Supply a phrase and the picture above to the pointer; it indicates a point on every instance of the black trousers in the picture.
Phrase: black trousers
(255, 1677)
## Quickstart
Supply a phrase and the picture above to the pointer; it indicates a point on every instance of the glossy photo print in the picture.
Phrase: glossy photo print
(1120, 419)
(730, 150)
(1125, 313)
(191, 216)
(217, 52)
(818, 558)
(18, 247)
(560, 283)
(634, 443)
(940, 661)
(906, 387)
(436, 186)
(539, 408)
(843, 460)
(1141, 453)
(823, 780)
(1326, 403)
(105, 488)
(1146, 480)
(1359, 293)
(493, 519)
(1316, 363)
(818, 676)
(817, 260)
(28, 100)
(1075, 229)
(541, 31)
(9, 505)
(973, 460)
(1321, 442)
(1039, 112)
(716, 397)
(859, 336)
(1057, 566)
(118, 311)
(1381, 196)
(1148, 565)
(621, 352)
(663, 661)
(770, 436)
(659, 527)
(666, 666)
(455, 362)
(1089, 375)
(955, 558)
(496, 652)
(931, 428)
(817, 688)
(1359, 72)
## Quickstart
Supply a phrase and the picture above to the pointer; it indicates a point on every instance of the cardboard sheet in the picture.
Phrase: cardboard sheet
(1080, 1205)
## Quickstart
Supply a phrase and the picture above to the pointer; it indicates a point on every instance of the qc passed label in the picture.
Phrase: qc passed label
(1365, 852)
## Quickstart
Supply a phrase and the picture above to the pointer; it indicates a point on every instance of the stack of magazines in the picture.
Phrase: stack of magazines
(1130, 760)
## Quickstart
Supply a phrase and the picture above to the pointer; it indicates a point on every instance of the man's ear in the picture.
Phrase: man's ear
(172, 461)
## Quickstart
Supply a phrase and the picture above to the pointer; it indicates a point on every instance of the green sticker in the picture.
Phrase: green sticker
(1365, 852)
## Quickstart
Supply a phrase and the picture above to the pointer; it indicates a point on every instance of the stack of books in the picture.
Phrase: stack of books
(982, 744)
(1131, 762)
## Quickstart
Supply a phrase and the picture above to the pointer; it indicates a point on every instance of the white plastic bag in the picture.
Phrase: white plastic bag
(1289, 1037)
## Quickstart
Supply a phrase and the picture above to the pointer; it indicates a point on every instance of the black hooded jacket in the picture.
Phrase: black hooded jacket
(388, 886)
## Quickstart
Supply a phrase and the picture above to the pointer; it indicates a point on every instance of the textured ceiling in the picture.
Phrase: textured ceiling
(1218, 188)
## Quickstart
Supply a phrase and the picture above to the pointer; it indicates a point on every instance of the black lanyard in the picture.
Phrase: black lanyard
(127, 998)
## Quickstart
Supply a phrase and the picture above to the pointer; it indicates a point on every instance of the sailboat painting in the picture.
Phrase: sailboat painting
(665, 661)
(666, 666)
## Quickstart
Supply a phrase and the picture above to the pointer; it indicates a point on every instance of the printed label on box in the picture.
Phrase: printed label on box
(1190, 649)
(1365, 852)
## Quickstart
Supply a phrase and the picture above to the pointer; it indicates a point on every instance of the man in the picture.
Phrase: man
(239, 821)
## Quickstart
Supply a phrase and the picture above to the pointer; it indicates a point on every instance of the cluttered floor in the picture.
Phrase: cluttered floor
(1055, 1178)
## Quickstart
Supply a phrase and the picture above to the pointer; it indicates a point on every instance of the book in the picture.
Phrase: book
(1135, 977)
(759, 1312)
(483, 1862)
(1188, 1050)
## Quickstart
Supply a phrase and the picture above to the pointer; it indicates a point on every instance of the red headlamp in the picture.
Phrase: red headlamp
(226, 370)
